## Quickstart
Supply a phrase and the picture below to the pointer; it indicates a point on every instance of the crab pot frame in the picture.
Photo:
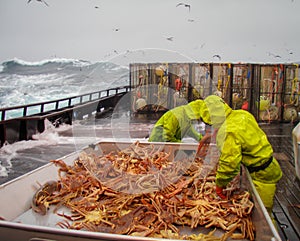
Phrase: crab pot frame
(269, 91)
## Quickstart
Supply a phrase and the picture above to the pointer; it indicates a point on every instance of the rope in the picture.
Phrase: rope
(163, 79)
(246, 82)
(219, 79)
(228, 77)
(280, 81)
(294, 98)
(273, 83)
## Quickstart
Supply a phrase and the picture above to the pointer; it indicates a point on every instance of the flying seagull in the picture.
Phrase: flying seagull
(41, 1)
(274, 55)
(217, 56)
(170, 38)
(185, 5)
(289, 51)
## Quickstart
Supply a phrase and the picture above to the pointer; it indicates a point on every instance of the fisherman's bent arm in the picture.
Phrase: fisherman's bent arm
(170, 128)
(230, 159)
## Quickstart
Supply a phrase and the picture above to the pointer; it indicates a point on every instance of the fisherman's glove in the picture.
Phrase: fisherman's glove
(219, 191)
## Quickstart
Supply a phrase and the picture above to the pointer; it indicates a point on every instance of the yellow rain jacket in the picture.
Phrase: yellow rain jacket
(241, 141)
(177, 123)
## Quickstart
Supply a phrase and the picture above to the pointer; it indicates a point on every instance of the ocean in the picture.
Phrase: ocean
(23, 82)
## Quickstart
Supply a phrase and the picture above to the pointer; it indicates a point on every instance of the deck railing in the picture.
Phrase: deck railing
(21, 122)
(55, 105)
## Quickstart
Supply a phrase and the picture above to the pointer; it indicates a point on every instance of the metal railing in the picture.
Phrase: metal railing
(55, 105)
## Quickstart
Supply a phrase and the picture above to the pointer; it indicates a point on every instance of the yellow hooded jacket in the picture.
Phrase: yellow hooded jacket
(177, 123)
(240, 140)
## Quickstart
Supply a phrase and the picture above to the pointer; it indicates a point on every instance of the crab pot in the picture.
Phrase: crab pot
(270, 92)
(20, 222)
(291, 92)
(164, 86)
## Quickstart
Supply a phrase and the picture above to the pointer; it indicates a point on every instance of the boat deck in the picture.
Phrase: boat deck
(286, 209)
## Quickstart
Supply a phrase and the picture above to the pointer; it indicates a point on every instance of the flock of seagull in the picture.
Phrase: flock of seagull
(179, 4)
(171, 38)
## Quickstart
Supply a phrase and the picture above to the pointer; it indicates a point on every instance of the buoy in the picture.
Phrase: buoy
(290, 114)
(159, 71)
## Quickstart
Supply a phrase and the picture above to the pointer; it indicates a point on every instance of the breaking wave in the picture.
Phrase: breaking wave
(23, 82)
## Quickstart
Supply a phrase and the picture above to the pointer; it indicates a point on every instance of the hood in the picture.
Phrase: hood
(214, 111)
(193, 109)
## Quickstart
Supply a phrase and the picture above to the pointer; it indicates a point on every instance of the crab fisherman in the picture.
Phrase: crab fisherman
(177, 123)
(241, 141)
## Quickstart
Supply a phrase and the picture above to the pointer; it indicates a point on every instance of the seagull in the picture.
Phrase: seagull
(289, 51)
(274, 55)
(41, 1)
(170, 38)
(116, 29)
(217, 56)
(185, 5)
(199, 46)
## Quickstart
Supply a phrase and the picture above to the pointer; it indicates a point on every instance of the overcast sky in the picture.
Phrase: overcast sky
(151, 30)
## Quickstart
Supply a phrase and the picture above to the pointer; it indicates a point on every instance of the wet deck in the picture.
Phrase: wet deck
(287, 201)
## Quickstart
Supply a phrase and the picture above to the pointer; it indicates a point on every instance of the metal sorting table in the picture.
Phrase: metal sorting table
(22, 223)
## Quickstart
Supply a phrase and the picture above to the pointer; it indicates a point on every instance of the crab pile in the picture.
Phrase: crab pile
(146, 191)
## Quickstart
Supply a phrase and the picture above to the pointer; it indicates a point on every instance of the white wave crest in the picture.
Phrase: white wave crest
(76, 62)
(49, 137)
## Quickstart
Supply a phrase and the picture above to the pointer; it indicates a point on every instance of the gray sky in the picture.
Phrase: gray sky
(237, 30)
